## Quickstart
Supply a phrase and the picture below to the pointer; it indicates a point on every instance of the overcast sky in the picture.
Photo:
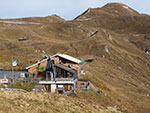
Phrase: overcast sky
(67, 9)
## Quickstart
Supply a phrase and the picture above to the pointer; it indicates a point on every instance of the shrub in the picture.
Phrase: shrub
(28, 86)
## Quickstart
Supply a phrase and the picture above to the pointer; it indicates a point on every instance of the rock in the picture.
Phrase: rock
(98, 91)
(21, 105)
(110, 38)
(112, 107)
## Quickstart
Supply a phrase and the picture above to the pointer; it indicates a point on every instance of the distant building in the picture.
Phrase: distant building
(23, 39)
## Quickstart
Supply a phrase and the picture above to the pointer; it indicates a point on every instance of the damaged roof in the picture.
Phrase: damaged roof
(39, 61)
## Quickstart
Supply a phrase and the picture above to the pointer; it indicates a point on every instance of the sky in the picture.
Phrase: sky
(67, 9)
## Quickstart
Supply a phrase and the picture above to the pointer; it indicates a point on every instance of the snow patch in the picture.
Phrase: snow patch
(126, 7)
(106, 34)
(110, 38)
(147, 52)
(83, 19)
(116, 11)
(106, 49)
(88, 10)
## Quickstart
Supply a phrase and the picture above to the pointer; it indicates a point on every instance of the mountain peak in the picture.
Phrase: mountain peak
(113, 9)
(119, 9)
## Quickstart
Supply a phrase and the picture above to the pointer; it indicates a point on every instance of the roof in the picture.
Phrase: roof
(37, 63)
(70, 58)
(65, 68)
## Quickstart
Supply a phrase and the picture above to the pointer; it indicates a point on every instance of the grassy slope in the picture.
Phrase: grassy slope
(116, 42)
(47, 103)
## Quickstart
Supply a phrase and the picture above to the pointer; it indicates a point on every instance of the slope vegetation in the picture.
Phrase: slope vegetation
(47, 103)
(115, 36)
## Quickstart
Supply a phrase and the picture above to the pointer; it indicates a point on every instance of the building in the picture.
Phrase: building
(83, 84)
(59, 73)
(38, 69)
(23, 39)
(68, 61)
(62, 80)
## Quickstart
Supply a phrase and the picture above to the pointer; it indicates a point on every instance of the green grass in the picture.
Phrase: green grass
(28, 86)
(2, 86)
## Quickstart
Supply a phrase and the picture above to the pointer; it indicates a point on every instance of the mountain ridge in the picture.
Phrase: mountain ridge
(112, 9)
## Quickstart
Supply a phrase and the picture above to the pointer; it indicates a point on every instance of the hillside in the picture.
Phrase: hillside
(116, 36)
(47, 103)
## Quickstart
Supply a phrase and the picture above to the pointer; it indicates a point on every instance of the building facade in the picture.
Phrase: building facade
(58, 73)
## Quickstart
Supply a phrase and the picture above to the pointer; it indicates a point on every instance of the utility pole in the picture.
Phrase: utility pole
(12, 68)
(13, 63)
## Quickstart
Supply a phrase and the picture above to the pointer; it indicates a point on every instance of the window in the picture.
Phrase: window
(53, 61)
(62, 73)
(69, 74)
(39, 74)
(58, 72)
(48, 76)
